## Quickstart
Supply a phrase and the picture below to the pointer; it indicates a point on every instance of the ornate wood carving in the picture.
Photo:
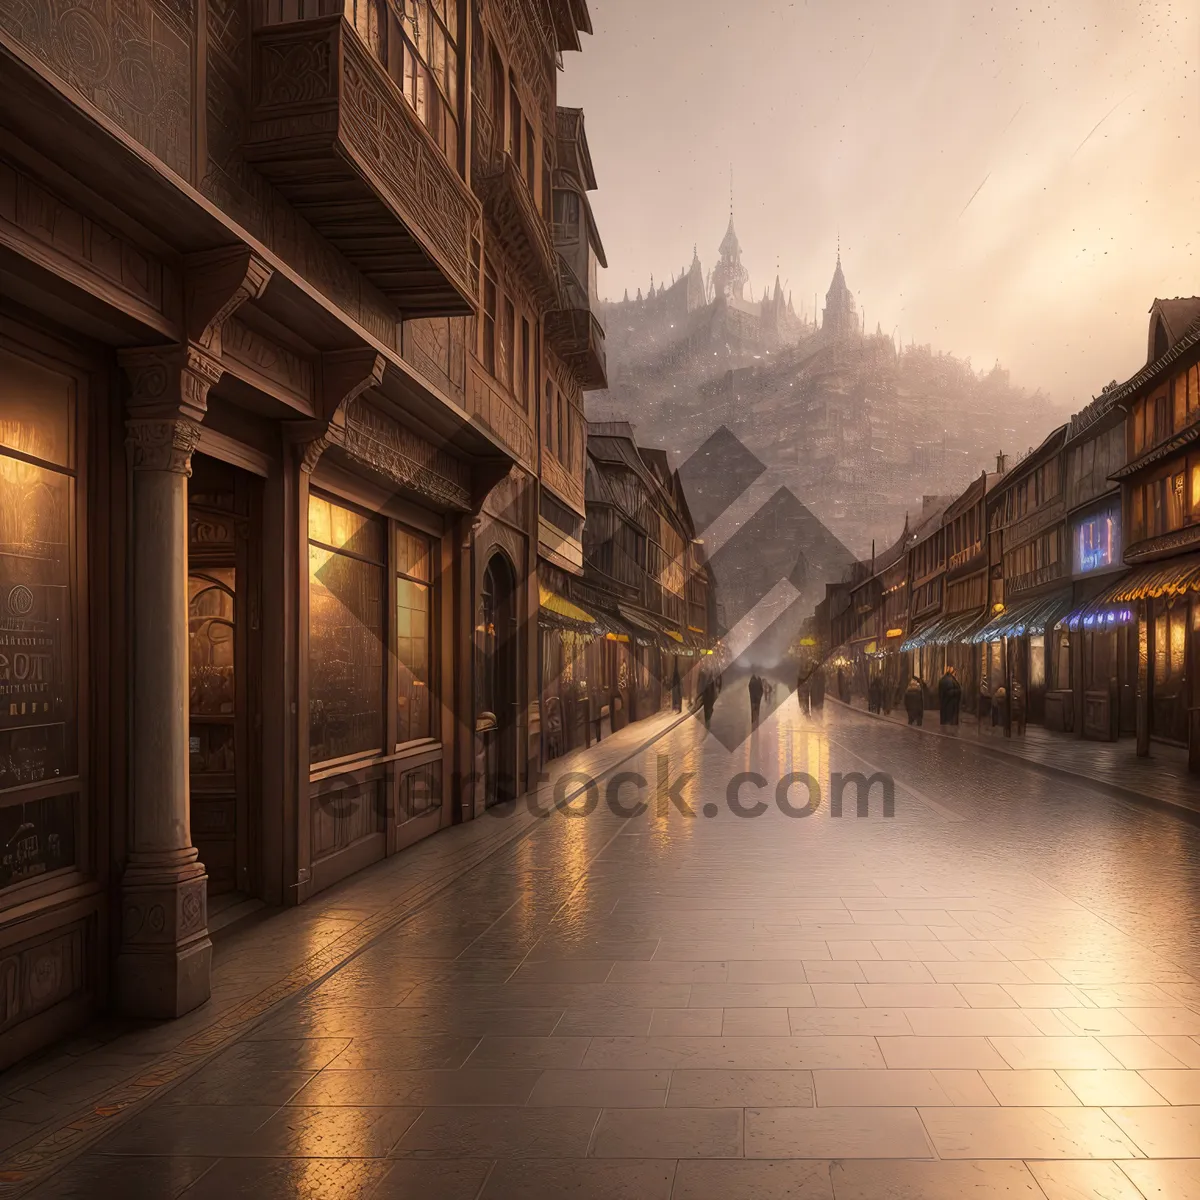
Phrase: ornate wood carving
(169, 381)
(44, 228)
(131, 59)
(230, 182)
(326, 114)
(406, 459)
(162, 445)
(437, 348)
(563, 483)
(1165, 545)
(522, 230)
(345, 375)
(500, 415)
(37, 976)
(219, 282)
(265, 361)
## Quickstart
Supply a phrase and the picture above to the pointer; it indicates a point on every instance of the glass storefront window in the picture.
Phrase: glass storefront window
(38, 668)
(414, 706)
(346, 632)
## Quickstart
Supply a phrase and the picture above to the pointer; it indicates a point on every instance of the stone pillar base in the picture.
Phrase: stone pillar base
(163, 969)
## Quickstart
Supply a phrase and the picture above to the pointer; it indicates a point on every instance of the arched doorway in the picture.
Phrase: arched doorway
(496, 691)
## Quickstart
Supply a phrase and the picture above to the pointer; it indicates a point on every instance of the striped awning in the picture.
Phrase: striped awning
(952, 630)
(1026, 618)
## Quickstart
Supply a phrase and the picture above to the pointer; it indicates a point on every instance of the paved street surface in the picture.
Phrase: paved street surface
(994, 992)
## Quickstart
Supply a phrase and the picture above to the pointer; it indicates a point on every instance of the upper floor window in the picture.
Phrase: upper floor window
(417, 41)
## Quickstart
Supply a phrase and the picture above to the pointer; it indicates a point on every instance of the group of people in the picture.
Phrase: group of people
(991, 708)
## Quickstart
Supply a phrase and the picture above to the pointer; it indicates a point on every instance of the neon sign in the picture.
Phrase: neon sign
(1097, 541)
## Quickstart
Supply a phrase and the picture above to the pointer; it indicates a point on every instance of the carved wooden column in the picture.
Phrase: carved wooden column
(163, 964)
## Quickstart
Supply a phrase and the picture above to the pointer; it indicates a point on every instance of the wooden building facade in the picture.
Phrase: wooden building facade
(278, 385)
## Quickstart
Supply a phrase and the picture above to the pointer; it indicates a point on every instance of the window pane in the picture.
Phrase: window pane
(36, 837)
(412, 555)
(345, 656)
(35, 410)
(413, 706)
(37, 653)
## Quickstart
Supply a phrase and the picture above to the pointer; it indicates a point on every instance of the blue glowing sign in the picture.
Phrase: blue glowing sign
(1096, 542)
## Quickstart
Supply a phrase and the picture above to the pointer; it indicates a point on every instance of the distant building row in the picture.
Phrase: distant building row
(1070, 579)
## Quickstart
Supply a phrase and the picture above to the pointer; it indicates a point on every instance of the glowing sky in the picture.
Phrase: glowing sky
(1009, 181)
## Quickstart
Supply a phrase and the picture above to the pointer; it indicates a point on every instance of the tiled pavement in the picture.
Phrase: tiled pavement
(996, 992)
(1163, 778)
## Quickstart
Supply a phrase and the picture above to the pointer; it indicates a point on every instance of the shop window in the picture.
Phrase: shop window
(414, 703)
(1179, 392)
(38, 664)
(1195, 491)
(346, 632)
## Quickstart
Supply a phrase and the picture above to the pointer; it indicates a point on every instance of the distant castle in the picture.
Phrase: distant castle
(715, 316)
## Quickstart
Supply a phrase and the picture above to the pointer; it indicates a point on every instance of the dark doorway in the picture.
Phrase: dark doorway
(496, 718)
(223, 642)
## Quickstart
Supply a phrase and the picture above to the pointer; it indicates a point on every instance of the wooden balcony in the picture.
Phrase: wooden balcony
(576, 335)
(334, 134)
(512, 213)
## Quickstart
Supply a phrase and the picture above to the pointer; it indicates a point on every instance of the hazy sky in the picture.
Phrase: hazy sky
(1009, 181)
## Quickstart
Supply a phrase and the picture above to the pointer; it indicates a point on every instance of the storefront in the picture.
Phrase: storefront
(1095, 646)
(1017, 645)
(61, 672)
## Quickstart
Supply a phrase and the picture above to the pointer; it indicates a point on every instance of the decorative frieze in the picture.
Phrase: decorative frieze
(400, 455)
(1181, 541)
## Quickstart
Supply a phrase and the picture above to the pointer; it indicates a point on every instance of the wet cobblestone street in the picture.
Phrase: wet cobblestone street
(994, 992)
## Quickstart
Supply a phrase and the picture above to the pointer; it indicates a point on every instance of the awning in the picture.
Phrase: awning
(561, 611)
(1115, 605)
(640, 625)
(1026, 618)
(1175, 577)
(951, 630)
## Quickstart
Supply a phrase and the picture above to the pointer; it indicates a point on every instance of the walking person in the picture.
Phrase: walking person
(816, 690)
(874, 695)
(949, 697)
(804, 692)
(676, 689)
(914, 701)
(708, 695)
(985, 703)
(756, 695)
(1017, 710)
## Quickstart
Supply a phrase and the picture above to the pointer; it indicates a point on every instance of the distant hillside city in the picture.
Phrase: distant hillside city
(859, 428)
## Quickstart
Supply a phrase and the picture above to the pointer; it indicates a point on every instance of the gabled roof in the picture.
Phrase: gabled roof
(1177, 316)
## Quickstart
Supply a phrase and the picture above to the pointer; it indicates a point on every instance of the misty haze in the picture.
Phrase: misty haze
(599, 599)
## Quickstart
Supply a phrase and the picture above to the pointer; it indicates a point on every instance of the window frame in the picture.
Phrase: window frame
(50, 355)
